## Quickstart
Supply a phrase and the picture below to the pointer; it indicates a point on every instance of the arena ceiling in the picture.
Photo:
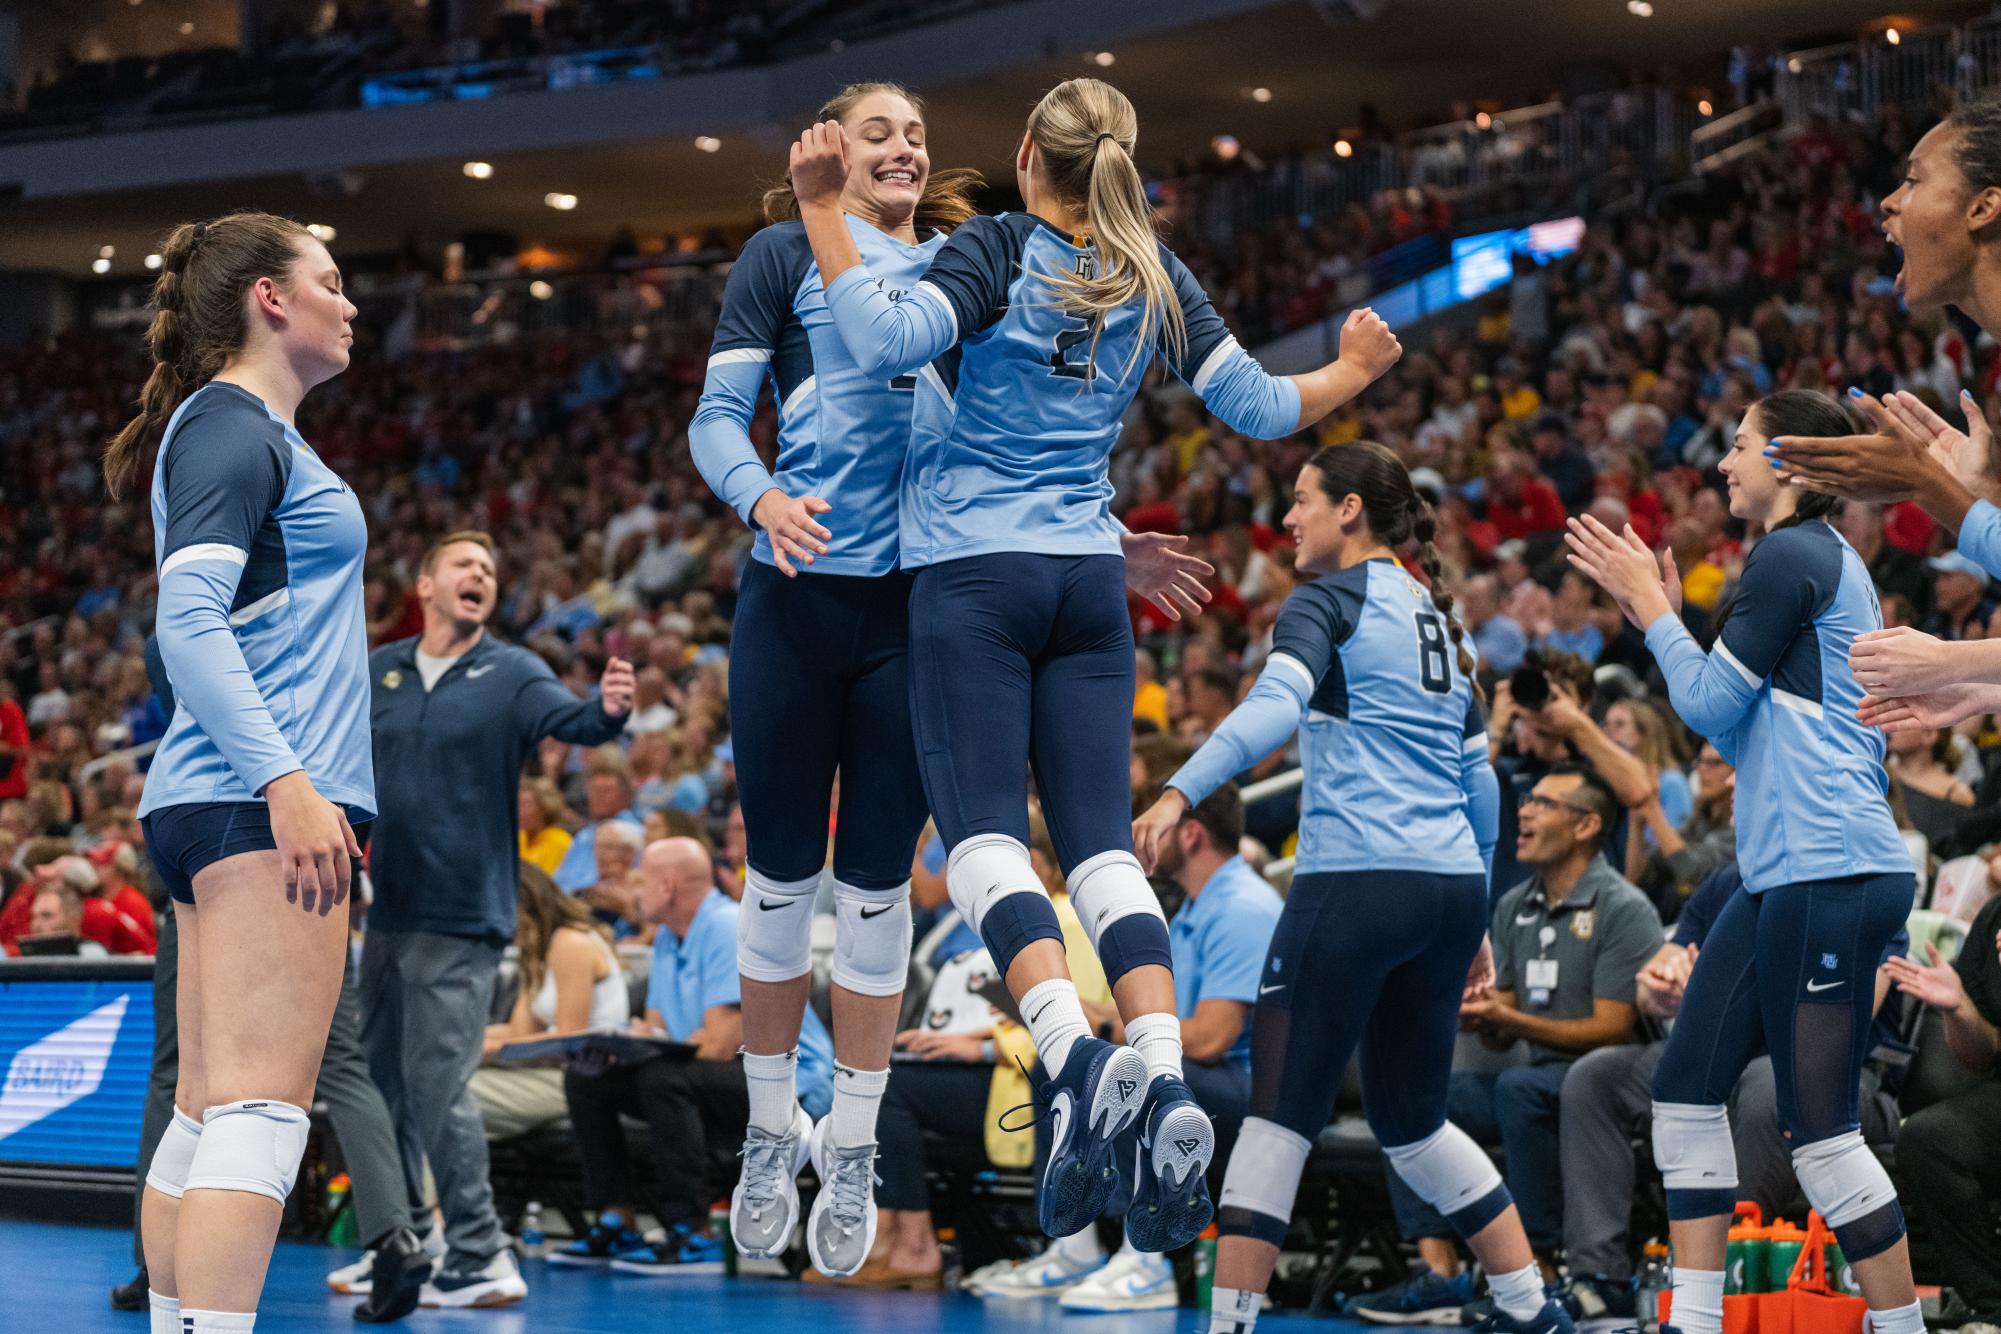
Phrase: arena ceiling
(1190, 85)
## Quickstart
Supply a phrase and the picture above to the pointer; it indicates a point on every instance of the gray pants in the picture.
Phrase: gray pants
(424, 1002)
(1608, 1101)
(354, 1105)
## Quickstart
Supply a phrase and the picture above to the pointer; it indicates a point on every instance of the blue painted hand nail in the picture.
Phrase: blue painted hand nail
(1854, 392)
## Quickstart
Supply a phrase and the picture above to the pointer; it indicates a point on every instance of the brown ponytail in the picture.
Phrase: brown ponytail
(947, 200)
(198, 318)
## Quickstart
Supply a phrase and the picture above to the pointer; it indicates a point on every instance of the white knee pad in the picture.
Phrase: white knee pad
(1841, 1179)
(871, 939)
(985, 869)
(1692, 1146)
(1263, 1175)
(1446, 1169)
(251, 1146)
(1108, 887)
(774, 928)
(174, 1155)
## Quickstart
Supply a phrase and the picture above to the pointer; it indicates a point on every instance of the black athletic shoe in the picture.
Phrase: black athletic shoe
(132, 1296)
(401, 1266)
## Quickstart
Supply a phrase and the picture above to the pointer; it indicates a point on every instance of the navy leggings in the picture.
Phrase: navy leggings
(1375, 958)
(819, 669)
(1022, 662)
(1791, 970)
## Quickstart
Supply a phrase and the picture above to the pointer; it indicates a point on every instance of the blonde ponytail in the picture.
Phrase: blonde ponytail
(1085, 131)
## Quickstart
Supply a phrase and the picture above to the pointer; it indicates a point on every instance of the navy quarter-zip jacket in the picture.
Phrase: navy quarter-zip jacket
(445, 853)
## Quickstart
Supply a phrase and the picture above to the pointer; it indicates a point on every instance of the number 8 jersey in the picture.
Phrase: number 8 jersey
(1392, 740)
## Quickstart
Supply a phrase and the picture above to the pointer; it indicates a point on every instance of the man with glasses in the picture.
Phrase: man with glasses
(1568, 942)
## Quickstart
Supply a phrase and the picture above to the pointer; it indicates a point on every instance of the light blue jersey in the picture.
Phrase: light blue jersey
(1778, 700)
(1015, 418)
(1392, 740)
(842, 434)
(259, 548)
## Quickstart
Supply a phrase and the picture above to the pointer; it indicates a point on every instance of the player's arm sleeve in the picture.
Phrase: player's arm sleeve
(1483, 788)
(544, 706)
(1775, 596)
(1980, 536)
(1227, 379)
(757, 299)
(1306, 633)
(220, 489)
(964, 290)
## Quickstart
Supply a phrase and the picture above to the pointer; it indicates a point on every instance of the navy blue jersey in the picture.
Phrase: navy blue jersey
(1778, 700)
(1016, 413)
(1392, 740)
(842, 433)
(259, 548)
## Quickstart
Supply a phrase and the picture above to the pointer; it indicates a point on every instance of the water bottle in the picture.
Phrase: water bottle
(1205, 1268)
(951, 1261)
(341, 1229)
(534, 1245)
(1656, 1277)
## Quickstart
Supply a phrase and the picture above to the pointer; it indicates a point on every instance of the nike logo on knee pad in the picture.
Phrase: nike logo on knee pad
(877, 912)
(766, 905)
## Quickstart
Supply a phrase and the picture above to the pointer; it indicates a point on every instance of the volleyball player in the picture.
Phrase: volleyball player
(819, 678)
(1790, 965)
(1388, 906)
(1029, 335)
(264, 777)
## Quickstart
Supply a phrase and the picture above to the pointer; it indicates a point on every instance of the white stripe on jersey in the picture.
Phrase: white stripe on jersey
(1723, 650)
(737, 355)
(792, 399)
(933, 290)
(1212, 364)
(203, 551)
(1478, 741)
(269, 602)
(1798, 704)
(937, 381)
(1291, 663)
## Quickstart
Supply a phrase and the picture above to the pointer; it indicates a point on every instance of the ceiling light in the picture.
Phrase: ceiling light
(1793, 66)
(1704, 107)
(708, 143)
(187, 29)
(1342, 148)
(1225, 146)
(479, 171)
(1893, 37)
(1483, 120)
(1260, 94)
(319, 231)
(106, 252)
(100, 265)
(540, 290)
(1102, 59)
(1640, 8)
(561, 202)
(153, 261)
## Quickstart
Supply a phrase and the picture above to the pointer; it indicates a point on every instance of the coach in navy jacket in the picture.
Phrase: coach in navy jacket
(456, 713)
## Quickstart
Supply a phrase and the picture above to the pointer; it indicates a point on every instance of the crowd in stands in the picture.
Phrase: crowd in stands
(1609, 382)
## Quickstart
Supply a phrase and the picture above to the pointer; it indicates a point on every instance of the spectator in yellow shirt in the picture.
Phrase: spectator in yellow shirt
(544, 840)
(1150, 700)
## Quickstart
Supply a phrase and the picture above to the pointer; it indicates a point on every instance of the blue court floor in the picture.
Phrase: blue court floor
(56, 1279)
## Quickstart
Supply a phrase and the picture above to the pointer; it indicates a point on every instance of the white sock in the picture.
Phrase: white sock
(1157, 1037)
(1698, 1301)
(1080, 1248)
(166, 1313)
(774, 1090)
(1055, 1020)
(1520, 1295)
(217, 1322)
(1233, 1311)
(1898, 1320)
(857, 1095)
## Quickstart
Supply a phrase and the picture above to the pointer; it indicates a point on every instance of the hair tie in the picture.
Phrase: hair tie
(201, 230)
(1106, 135)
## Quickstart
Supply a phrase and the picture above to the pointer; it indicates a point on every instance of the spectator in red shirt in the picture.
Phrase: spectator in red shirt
(13, 745)
(117, 866)
(1519, 501)
(41, 861)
